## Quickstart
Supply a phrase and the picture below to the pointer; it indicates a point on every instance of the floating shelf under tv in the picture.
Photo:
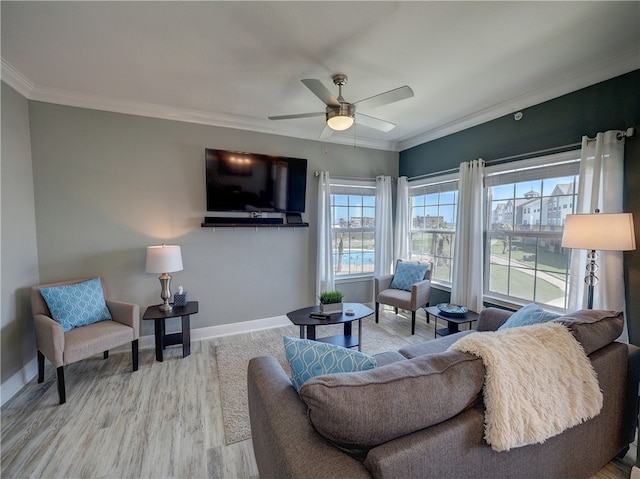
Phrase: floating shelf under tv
(227, 222)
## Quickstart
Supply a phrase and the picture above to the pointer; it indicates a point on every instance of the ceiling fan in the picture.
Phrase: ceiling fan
(340, 114)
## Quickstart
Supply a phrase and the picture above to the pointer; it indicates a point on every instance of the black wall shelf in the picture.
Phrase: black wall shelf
(229, 222)
(253, 225)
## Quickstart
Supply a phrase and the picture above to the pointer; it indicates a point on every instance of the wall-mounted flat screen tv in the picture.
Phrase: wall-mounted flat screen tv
(238, 181)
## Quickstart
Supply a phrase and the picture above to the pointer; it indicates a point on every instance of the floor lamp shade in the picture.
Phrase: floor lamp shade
(598, 232)
(164, 259)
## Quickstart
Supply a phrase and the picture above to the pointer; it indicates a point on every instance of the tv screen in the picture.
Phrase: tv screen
(238, 181)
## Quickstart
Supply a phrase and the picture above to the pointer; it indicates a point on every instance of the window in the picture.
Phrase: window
(353, 222)
(433, 207)
(525, 215)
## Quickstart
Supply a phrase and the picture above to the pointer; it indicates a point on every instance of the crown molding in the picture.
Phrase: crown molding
(94, 102)
(610, 68)
(16, 80)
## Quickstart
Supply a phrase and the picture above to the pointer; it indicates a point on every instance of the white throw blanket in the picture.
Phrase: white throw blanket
(538, 382)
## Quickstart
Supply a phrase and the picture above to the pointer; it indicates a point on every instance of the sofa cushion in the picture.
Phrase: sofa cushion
(408, 274)
(309, 358)
(593, 328)
(365, 409)
(78, 304)
(528, 315)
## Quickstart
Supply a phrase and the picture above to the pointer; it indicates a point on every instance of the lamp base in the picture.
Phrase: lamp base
(165, 281)
(165, 307)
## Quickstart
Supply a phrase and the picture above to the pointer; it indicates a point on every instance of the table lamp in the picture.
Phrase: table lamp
(164, 259)
(598, 231)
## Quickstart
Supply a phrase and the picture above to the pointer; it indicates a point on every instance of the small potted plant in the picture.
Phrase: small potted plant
(331, 302)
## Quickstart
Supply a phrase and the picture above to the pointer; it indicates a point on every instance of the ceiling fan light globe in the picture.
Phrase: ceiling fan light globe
(340, 122)
(340, 119)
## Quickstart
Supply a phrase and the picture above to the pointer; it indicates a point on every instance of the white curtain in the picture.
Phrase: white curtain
(466, 287)
(401, 240)
(600, 186)
(324, 276)
(384, 226)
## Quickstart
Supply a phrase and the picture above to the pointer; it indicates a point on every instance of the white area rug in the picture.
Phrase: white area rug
(232, 360)
(538, 383)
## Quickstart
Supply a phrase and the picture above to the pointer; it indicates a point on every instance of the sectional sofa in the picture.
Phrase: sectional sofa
(421, 414)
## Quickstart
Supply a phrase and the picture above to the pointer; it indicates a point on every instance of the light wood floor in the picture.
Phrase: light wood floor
(163, 421)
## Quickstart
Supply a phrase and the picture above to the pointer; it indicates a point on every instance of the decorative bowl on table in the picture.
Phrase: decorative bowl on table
(452, 309)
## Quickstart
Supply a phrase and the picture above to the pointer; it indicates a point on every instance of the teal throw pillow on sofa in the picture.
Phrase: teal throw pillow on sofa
(408, 274)
(78, 304)
(308, 359)
(528, 315)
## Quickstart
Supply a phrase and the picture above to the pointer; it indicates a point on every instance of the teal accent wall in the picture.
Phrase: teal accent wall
(610, 105)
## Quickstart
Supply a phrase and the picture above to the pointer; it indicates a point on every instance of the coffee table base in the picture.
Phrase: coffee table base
(346, 340)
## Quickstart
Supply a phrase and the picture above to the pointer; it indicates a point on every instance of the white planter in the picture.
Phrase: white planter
(331, 308)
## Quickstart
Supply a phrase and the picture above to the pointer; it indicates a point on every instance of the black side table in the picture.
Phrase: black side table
(162, 339)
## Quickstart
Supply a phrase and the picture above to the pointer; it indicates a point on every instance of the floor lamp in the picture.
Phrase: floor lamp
(598, 231)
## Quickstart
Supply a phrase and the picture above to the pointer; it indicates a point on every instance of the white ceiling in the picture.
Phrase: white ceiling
(233, 64)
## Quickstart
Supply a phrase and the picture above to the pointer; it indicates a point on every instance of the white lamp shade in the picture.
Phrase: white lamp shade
(599, 231)
(163, 259)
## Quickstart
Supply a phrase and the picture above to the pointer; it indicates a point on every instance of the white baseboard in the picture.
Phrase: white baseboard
(15, 383)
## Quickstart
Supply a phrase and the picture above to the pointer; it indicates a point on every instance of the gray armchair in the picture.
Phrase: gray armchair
(398, 298)
(62, 348)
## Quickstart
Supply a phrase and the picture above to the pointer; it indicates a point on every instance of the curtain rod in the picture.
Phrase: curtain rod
(358, 178)
(520, 156)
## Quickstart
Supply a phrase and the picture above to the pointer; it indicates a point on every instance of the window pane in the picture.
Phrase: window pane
(525, 220)
(433, 227)
(353, 231)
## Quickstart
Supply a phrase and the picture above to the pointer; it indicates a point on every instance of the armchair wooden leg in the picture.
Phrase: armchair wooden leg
(106, 354)
(40, 367)
(413, 323)
(61, 391)
(377, 310)
(134, 354)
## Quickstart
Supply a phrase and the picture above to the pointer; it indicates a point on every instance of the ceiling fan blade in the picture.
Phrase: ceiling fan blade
(320, 91)
(385, 98)
(299, 115)
(326, 133)
(374, 123)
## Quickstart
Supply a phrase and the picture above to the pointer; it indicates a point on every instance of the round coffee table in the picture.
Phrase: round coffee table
(302, 318)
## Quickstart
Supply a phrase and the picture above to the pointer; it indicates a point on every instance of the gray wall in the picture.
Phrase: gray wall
(19, 256)
(108, 185)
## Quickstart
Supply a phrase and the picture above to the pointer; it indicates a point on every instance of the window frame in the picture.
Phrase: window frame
(533, 169)
(352, 187)
(434, 184)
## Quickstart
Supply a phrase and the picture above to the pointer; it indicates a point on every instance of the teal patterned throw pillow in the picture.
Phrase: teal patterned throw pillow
(408, 274)
(528, 315)
(311, 358)
(78, 304)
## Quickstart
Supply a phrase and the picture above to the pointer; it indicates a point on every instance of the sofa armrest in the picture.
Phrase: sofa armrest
(285, 443)
(491, 319)
(49, 339)
(127, 314)
(420, 294)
